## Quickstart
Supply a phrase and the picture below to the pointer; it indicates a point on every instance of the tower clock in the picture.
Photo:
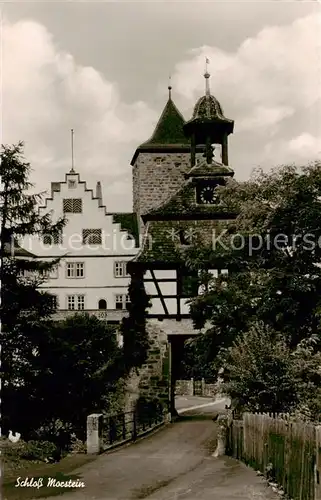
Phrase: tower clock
(206, 195)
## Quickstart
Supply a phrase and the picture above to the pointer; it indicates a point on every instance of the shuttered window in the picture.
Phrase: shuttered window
(72, 205)
(91, 237)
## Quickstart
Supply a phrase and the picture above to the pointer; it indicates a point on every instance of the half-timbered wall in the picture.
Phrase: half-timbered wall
(162, 287)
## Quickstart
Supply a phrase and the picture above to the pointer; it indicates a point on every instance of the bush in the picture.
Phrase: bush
(38, 451)
(265, 375)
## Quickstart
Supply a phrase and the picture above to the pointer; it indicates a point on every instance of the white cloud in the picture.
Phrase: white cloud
(262, 85)
(301, 149)
(46, 93)
(270, 86)
(264, 117)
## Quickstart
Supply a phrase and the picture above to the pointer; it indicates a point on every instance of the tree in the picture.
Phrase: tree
(271, 251)
(76, 364)
(53, 374)
(133, 327)
(265, 375)
(20, 217)
(24, 308)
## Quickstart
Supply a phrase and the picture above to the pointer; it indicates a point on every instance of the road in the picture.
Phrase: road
(174, 463)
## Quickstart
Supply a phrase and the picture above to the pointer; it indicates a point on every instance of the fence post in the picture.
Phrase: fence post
(203, 387)
(191, 385)
(224, 422)
(317, 476)
(134, 426)
(124, 425)
(94, 430)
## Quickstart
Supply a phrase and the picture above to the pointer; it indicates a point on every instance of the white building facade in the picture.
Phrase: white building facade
(94, 250)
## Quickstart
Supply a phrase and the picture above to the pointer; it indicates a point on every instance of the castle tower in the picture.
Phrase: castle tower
(160, 163)
(209, 127)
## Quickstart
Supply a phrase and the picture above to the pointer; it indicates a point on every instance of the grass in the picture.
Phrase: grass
(61, 471)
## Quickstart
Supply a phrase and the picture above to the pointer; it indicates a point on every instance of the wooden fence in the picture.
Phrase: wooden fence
(287, 452)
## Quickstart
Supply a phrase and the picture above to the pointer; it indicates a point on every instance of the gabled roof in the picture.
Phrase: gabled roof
(182, 206)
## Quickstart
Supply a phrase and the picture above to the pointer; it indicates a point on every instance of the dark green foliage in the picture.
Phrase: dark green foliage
(270, 250)
(65, 373)
(194, 363)
(37, 451)
(268, 376)
(277, 283)
(128, 222)
(53, 374)
(20, 217)
(133, 327)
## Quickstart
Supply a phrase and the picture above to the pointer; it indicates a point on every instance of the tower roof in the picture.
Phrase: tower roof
(168, 133)
(169, 128)
(208, 110)
(208, 107)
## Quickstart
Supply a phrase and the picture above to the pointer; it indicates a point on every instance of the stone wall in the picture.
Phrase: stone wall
(187, 388)
(157, 176)
(151, 380)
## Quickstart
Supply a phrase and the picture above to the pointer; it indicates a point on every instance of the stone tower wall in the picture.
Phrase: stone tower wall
(156, 176)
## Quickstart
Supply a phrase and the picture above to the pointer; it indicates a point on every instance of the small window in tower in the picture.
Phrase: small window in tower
(71, 184)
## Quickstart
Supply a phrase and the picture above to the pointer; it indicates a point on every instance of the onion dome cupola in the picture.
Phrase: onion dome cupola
(208, 125)
(168, 135)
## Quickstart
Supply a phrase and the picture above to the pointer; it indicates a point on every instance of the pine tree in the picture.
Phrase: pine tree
(23, 306)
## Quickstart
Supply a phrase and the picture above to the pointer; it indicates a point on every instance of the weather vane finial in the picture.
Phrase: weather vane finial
(207, 76)
(169, 87)
(72, 151)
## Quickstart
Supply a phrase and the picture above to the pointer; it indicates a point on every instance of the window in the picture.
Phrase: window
(91, 236)
(120, 270)
(54, 301)
(102, 304)
(75, 270)
(52, 239)
(71, 184)
(72, 205)
(71, 302)
(81, 302)
(76, 302)
(122, 301)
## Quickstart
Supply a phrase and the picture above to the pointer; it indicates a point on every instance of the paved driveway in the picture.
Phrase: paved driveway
(173, 464)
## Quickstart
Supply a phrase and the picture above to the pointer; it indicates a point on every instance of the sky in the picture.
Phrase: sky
(102, 68)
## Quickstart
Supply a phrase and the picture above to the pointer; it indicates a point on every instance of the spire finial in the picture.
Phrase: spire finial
(207, 76)
(72, 151)
(169, 87)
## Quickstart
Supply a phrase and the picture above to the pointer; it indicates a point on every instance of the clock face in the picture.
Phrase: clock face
(207, 195)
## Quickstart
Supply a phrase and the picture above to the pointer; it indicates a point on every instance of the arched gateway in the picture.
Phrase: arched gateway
(177, 205)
